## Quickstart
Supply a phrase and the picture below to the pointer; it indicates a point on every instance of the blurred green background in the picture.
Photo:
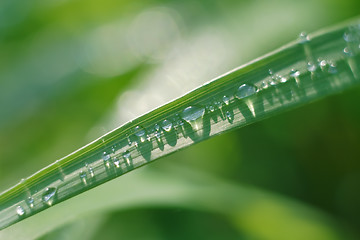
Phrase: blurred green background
(71, 70)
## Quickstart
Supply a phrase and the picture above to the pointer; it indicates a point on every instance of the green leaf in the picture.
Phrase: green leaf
(253, 212)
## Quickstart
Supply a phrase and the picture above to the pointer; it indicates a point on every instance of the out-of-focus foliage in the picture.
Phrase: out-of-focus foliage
(72, 70)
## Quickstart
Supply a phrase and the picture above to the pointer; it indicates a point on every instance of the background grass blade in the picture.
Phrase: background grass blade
(247, 203)
(308, 69)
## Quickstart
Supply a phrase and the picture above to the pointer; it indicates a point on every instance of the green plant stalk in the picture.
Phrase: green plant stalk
(308, 69)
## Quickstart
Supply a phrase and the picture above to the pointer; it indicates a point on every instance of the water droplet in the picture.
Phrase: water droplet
(127, 157)
(352, 34)
(229, 116)
(332, 68)
(20, 211)
(294, 73)
(48, 196)
(347, 37)
(91, 170)
(116, 162)
(348, 52)
(106, 157)
(179, 125)
(303, 38)
(273, 81)
(322, 63)
(245, 90)
(128, 140)
(83, 176)
(282, 79)
(276, 78)
(264, 84)
(166, 125)
(226, 100)
(218, 104)
(140, 132)
(30, 202)
(311, 67)
(192, 113)
(211, 108)
(157, 135)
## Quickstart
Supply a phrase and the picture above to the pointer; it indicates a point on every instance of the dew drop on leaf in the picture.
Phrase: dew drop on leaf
(303, 38)
(194, 116)
(30, 202)
(91, 170)
(166, 125)
(332, 68)
(106, 157)
(116, 162)
(210, 108)
(127, 157)
(294, 73)
(48, 196)
(157, 136)
(311, 67)
(226, 100)
(83, 176)
(192, 113)
(352, 34)
(348, 52)
(140, 133)
(229, 116)
(20, 211)
(245, 90)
